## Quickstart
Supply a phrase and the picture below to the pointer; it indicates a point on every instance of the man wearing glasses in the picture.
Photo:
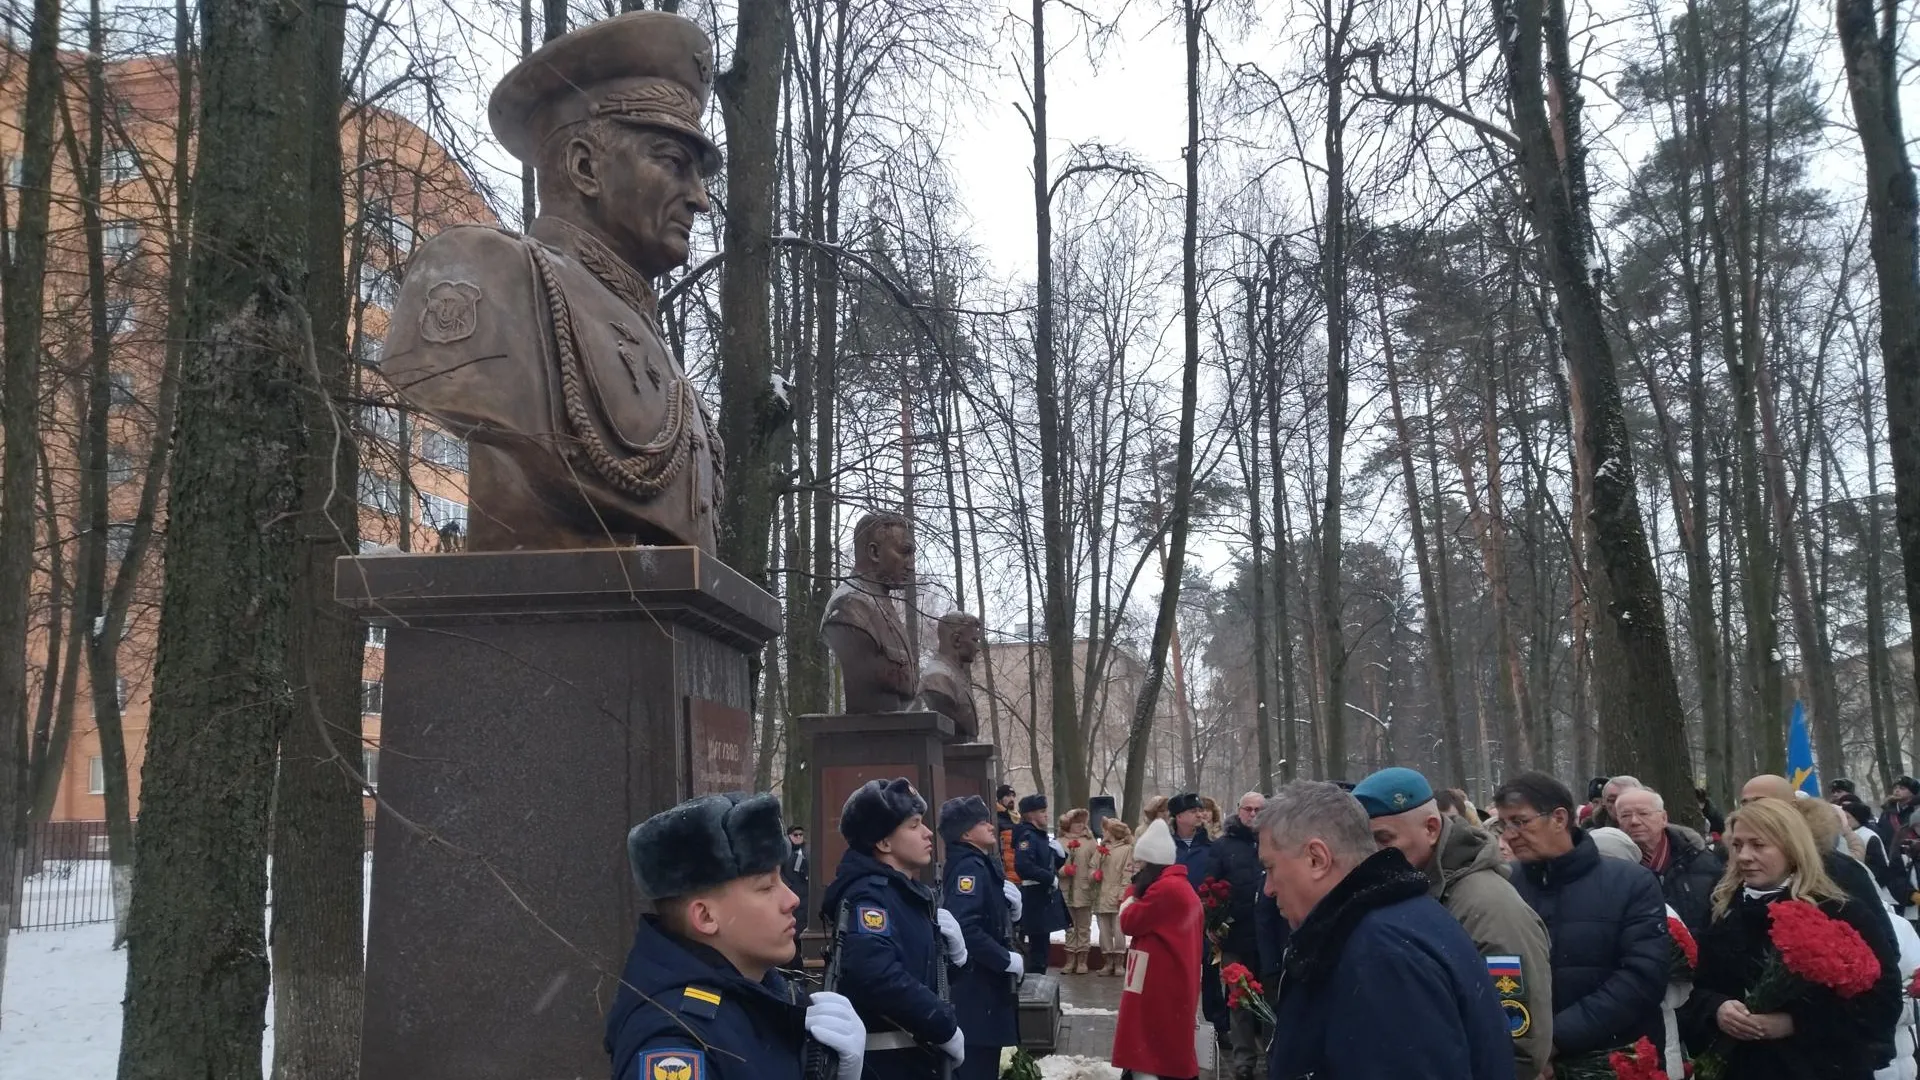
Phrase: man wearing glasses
(1606, 919)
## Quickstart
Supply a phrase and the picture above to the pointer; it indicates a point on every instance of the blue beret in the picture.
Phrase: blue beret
(1392, 791)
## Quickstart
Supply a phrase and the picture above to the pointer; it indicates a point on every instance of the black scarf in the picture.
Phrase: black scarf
(1384, 878)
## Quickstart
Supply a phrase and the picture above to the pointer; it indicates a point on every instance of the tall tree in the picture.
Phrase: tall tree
(1870, 47)
(1336, 27)
(197, 971)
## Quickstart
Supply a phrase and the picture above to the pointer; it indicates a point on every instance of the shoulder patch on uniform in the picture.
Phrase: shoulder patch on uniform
(1519, 1020)
(964, 883)
(673, 1065)
(1025, 844)
(699, 1001)
(1509, 977)
(873, 920)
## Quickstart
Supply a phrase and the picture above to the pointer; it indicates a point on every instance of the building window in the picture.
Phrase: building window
(438, 512)
(121, 239)
(119, 166)
(379, 287)
(119, 315)
(119, 463)
(377, 636)
(388, 232)
(440, 448)
(119, 538)
(380, 493)
(381, 422)
(120, 388)
(372, 696)
(16, 167)
(366, 349)
(370, 766)
(96, 776)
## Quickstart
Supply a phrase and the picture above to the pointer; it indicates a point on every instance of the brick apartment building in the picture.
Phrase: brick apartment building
(402, 186)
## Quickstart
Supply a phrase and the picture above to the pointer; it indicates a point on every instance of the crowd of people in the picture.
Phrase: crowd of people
(1379, 929)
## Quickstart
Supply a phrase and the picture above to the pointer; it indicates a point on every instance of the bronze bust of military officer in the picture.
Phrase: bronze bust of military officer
(878, 669)
(545, 349)
(946, 684)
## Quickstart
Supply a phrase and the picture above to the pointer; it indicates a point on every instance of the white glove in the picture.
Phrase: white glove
(833, 1024)
(950, 929)
(1016, 964)
(956, 1047)
(1057, 849)
(1012, 892)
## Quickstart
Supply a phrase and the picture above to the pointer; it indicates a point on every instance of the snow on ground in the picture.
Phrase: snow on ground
(1077, 1068)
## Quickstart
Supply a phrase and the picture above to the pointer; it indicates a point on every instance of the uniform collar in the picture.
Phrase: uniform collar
(608, 268)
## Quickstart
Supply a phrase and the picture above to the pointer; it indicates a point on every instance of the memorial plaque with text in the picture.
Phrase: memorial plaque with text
(719, 748)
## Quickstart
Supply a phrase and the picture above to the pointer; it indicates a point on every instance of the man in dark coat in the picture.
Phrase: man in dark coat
(795, 871)
(1038, 867)
(702, 997)
(1193, 848)
(1606, 918)
(1379, 980)
(895, 938)
(1687, 868)
(1235, 859)
(985, 992)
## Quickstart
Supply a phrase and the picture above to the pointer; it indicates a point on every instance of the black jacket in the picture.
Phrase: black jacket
(1607, 921)
(1235, 859)
(1833, 1039)
(1692, 871)
(796, 871)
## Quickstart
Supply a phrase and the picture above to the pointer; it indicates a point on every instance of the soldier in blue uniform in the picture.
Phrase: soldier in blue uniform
(701, 997)
(977, 892)
(893, 936)
(1038, 865)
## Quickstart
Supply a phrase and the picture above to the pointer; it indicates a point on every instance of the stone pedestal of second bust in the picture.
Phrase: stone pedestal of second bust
(972, 769)
(849, 750)
(537, 705)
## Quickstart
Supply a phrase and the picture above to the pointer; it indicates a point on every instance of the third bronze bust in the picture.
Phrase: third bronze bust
(946, 686)
(878, 668)
(545, 350)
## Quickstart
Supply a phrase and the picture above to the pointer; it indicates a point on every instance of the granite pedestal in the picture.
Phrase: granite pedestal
(972, 769)
(849, 750)
(537, 705)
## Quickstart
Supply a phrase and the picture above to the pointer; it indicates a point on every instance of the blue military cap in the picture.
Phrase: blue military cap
(1392, 791)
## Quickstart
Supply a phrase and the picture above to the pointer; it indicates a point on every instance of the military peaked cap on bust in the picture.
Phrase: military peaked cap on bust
(644, 67)
(706, 842)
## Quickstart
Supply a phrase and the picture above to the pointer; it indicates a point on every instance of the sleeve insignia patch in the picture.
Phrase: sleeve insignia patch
(1519, 1020)
(873, 920)
(964, 884)
(1025, 844)
(700, 1002)
(673, 1065)
(1508, 976)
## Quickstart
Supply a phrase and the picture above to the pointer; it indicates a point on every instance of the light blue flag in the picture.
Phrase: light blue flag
(1800, 754)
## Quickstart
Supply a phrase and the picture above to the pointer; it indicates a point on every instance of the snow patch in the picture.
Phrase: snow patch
(1075, 1067)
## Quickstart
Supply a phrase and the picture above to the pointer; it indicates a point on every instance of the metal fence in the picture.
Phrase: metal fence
(69, 880)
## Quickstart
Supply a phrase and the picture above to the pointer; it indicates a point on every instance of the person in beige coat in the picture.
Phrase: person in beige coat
(1077, 886)
(1113, 868)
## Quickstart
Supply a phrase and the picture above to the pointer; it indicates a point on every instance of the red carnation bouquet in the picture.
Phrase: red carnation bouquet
(1099, 872)
(1913, 988)
(1641, 1061)
(1216, 904)
(1686, 952)
(1244, 992)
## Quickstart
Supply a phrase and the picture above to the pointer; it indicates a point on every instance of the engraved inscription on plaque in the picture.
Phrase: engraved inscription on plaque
(719, 745)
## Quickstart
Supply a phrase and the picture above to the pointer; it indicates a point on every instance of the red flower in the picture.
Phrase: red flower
(1073, 845)
(1233, 973)
(1640, 1063)
(1099, 874)
(1103, 849)
(1067, 870)
(1913, 988)
(1686, 950)
(1822, 949)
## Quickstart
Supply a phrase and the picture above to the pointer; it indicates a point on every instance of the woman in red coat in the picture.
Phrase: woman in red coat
(1161, 915)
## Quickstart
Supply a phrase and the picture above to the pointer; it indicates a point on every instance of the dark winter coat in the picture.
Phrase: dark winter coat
(1381, 982)
(1193, 854)
(1853, 878)
(983, 996)
(889, 968)
(1273, 934)
(1687, 881)
(1833, 1039)
(682, 1000)
(1607, 921)
(796, 871)
(1042, 908)
(1235, 859)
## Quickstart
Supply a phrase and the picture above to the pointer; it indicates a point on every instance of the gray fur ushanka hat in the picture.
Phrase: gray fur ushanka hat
(875, 809)
(706, 842)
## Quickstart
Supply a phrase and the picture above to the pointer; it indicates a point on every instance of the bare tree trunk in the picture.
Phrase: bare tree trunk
(1333, 640)
(22, 283)
(1282, 571)
(1166, 626)
(1643, 723)
(1249, 453)
(197, 972)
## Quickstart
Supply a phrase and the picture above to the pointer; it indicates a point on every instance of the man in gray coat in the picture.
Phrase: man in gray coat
(1466, 875)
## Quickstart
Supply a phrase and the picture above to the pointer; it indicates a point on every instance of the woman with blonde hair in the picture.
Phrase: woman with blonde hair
(1154, 810)
(1776, 859)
